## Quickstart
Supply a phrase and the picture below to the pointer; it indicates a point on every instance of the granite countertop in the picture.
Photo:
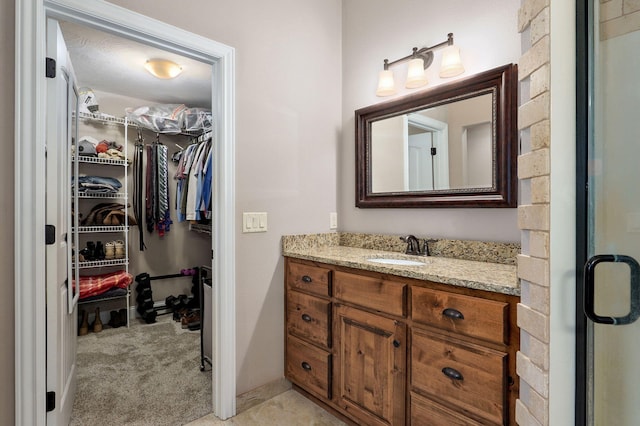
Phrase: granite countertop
(495, 277)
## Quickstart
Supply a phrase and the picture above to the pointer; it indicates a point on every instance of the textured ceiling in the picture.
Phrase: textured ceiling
(114, 64)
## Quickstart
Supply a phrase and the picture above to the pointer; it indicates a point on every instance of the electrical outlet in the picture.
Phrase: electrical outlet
(254, 222)
(333, 220)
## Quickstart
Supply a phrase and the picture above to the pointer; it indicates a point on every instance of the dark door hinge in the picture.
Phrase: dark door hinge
(49, 234)
(433, 151)
(51, 401)
(50, 68)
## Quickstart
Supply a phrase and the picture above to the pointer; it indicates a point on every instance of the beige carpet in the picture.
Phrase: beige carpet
(148, 374)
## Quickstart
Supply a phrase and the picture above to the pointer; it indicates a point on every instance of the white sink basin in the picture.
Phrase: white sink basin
(403, 262)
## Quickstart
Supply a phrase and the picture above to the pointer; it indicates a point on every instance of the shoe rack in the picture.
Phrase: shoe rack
(106, 246)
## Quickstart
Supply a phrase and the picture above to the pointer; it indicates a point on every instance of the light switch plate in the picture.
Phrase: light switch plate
(333, 220)
(254, 222)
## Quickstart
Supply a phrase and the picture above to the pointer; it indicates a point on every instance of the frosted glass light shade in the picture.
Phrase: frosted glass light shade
(415, 74)
(386, 85)
(451, 62)
(162, 68)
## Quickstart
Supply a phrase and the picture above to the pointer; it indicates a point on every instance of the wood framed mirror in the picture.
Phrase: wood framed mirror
(451, 146)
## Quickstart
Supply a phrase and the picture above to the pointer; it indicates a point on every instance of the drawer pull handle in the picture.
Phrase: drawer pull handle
(452, 373)
(453, 313)
(306, 366)
(306, 278)
(306, 318)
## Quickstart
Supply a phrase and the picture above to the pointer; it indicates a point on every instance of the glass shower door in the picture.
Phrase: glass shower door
(612, 219)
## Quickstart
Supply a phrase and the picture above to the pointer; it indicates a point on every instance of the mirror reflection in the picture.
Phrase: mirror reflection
(449, 146)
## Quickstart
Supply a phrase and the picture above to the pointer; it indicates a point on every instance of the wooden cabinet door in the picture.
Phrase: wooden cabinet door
(370, 367)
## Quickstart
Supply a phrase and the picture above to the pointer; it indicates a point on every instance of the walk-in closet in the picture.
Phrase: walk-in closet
(141, 163)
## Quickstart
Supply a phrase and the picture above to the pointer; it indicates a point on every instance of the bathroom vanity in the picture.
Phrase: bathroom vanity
(395, 344)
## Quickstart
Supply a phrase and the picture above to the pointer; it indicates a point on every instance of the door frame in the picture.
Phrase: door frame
(584, 69)
(29, 201)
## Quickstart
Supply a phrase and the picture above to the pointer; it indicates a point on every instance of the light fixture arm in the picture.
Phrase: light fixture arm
(419, 61)
(426, 53)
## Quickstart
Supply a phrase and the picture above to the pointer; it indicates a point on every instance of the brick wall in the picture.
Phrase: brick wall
(618, 17)
(533, 212)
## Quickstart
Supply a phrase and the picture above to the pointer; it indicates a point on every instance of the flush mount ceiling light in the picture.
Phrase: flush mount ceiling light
(163, 68)
(420, 60)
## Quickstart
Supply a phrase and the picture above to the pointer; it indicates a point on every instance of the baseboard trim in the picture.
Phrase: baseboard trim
(261, 393)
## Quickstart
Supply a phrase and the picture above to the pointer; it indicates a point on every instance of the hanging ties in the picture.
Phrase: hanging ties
(163, 218)
(149, 193)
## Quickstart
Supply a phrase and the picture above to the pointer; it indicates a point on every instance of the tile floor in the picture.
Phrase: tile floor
(289, 408)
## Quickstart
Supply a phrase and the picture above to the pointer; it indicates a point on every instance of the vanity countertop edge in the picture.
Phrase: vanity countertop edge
(493, 277)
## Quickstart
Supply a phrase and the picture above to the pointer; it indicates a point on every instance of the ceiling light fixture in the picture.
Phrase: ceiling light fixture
(420, 60)
(163, 68)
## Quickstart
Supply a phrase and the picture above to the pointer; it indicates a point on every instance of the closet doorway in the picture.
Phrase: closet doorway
(128, 25)
(166, 140)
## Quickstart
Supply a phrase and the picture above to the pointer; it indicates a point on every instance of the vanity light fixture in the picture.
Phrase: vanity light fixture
(163, 68)
(420, 60)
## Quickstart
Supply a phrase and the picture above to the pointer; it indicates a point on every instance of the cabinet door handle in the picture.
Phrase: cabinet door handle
(306, 318)
(452, 373)
(396, 343)
(453, 313)
(306, 366)
(306, 278)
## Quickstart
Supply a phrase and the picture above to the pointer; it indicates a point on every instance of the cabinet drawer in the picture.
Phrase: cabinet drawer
(383, 296)
(427, 412)
(468, 315)
(309, 317)
(309, 367)
(463, 375)
(309, 278)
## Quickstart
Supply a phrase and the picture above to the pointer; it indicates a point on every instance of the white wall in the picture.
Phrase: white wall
(288, 62)
(374, 30)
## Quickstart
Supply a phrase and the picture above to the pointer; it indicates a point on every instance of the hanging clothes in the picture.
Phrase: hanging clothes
(193, 187)
(181, 175)
(138, 167)
(194, 179)
(150, 192)
(163, 221)
(158, 213)
(205, 201)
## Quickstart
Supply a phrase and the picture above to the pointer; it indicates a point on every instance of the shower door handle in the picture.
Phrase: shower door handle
(589, 289)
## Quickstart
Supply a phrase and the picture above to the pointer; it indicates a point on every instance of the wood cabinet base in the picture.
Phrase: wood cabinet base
(381, 350)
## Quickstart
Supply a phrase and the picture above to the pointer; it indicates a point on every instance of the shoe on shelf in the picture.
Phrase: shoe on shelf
(96, 327)
(84, 255)
(90, 253)
(84, 325)
(110, 250)
(119, 249)
(100, 253)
